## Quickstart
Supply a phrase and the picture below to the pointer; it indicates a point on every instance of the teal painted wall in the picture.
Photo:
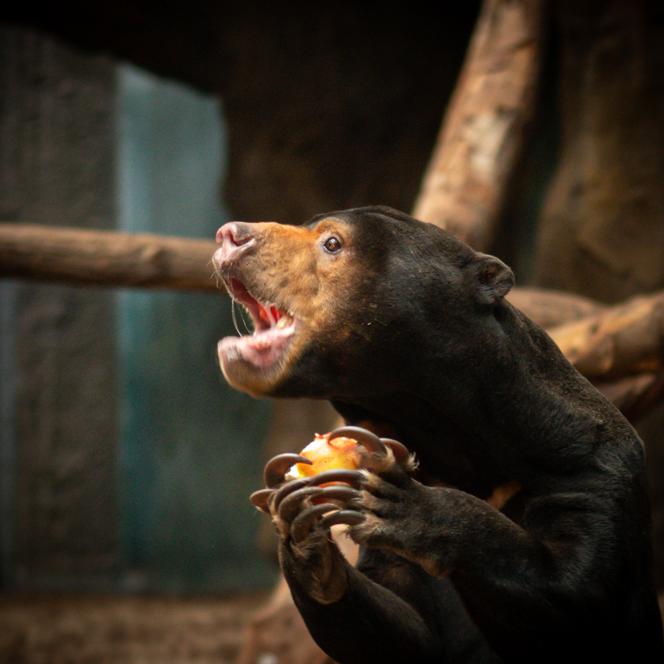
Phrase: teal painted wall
(190, 446)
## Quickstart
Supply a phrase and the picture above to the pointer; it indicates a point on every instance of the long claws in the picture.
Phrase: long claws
(302, 525)
(370, 440)
(287, 489)
(348, 517)
(291, 504)
(273, 475)
(340, 492)
(332, 497)
(353, 477)
(260, 499)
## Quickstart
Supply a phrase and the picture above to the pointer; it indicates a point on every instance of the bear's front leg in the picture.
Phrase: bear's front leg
(537, 589)
(391, 600)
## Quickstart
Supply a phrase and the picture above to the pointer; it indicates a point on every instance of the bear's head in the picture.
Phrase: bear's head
(347, 303)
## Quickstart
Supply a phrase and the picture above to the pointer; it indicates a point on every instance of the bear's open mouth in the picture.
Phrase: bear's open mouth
(274, 328)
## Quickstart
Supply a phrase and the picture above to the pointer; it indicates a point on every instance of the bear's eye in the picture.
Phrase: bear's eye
(332, 245)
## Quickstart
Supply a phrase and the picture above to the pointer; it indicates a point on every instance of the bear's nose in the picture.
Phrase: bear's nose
(234, 238)
(236, 232)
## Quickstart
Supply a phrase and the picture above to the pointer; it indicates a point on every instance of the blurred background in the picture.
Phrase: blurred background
(125, 460)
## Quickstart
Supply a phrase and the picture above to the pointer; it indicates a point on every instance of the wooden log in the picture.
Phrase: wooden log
(618, 341)
(483, 133)
(105, 258)
(590, 333)
(550, 308)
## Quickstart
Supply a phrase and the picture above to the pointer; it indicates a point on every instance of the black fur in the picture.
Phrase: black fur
(483, 397)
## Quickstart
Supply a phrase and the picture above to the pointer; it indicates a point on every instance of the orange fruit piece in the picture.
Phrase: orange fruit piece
(337, 454)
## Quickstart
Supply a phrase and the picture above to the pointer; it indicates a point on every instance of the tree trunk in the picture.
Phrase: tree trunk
(484, 131)
(617, 341)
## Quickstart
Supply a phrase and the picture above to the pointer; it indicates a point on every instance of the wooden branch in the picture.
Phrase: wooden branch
(105, 258)
(618, 341)
(550, 308)
(603, 342)
(483, 133)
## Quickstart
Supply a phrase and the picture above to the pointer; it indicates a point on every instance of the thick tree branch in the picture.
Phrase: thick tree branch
(618, 341)
(483, 133)
(105, 258)
(550, 308)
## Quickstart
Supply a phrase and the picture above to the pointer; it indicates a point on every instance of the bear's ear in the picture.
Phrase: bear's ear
(493, 278)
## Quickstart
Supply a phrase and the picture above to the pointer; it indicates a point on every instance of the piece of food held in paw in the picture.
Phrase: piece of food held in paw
(346, 448)
(325, 453)
(335, 458)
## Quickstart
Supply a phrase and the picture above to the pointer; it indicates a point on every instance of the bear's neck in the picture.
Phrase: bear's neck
(492, 411)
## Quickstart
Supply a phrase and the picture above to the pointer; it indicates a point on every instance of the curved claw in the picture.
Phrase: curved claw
(291, 504)
(287, 489)
(277, 466)
(339, 492)
(400, 451)
(368, 439)
(260, 499)
(302, 525)
(353, 477)
(347, 517)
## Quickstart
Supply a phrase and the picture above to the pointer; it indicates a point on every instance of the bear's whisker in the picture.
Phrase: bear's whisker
(234, 316)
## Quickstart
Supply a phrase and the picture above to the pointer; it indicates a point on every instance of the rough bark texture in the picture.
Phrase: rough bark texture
(550, 308)
(484, 130)
(625, 339)
(105, 258)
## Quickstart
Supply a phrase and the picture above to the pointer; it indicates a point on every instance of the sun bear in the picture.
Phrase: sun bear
(398, 323)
